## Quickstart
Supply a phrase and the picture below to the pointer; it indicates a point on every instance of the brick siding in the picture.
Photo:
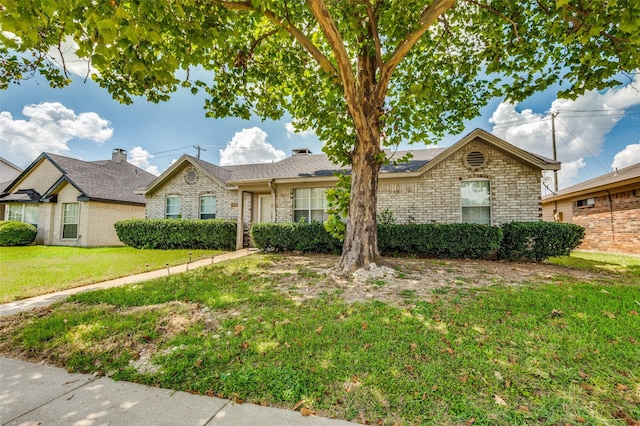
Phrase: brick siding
(226, 201)
(611, 224)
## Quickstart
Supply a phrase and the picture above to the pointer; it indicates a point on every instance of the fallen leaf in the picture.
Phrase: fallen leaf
(498, 375)
(239, 329)
(413, 346)
(498, 399)
(608, 314)
(471, 421)
(464, 379)
(364, 325)
(583, 375)
(239, 401)
(580, 419)
(298, 404)
(319, 329)
(587, 387)
(621, 387)
(449, 351)
(634, 313)
(523, 408)
(306, 412)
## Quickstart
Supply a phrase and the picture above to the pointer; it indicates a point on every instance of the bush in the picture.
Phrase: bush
(537, 241)
(305, 237)
(178, 233)
(14, 233)
(456, 240)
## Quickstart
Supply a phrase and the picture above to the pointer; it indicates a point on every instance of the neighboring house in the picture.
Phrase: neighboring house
(480, 179)
(8, 172)
(74, 202)
(608, 207)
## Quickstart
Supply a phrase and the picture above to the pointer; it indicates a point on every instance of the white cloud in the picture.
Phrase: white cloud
(140, 157)
(628, 156)
(291, 131)
(580, 126)
(72, 62)
(48, 128)
(249, 146)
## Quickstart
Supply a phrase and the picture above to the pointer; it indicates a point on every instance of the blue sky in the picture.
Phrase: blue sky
(596, 132)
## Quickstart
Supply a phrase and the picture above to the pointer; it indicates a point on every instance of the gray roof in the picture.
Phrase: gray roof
(318, 165)
(110, 181)
(615, 177)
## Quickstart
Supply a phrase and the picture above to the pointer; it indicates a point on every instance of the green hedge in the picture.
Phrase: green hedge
(14, 233)
(457, 240)
(528, 241)
(306, 237)
(178, 233)
(536, 241)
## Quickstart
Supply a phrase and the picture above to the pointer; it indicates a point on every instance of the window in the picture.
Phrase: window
(70, 216)
(173, 207)
(309, 204)
(476, 201)
(27, 213)
(587, 202)
(208, 207)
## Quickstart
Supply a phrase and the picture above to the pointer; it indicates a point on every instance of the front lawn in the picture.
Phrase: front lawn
(442, 342)
(34, 270)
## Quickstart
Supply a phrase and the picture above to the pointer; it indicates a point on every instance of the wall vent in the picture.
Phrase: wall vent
(475, 159)
(191, 176)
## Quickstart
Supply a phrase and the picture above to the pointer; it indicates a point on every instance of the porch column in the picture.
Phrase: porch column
(240, 223)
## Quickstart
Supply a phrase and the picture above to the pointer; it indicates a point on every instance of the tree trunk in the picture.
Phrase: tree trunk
(360, 247)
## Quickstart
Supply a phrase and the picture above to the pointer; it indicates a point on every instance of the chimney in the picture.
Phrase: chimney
(301, 151)
(119, 154)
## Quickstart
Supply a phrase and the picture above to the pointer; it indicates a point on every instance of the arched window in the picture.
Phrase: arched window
(475, 197)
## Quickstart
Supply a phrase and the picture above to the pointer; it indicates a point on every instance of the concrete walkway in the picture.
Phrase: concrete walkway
(39, 395)
(48, 299)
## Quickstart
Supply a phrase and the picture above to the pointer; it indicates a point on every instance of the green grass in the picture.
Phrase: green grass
(34, 270)
(545, 354)
(601, 262)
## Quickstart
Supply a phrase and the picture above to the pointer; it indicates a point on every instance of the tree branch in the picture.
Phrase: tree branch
(285, 24)
(495, 12)
(427, 18)
(330, 30)
(373, 25)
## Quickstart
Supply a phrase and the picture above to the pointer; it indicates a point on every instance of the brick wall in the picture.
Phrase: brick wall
(611, 224)
(435, 196)
(226, 201)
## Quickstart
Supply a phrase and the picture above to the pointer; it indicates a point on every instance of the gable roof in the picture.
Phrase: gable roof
(319, 166)
(626, 176)
(109, 181)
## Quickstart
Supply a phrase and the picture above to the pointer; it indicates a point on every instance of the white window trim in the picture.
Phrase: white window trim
(490, 205)
(166, 207)
(214, 212)
(309, 210)
(77, 223)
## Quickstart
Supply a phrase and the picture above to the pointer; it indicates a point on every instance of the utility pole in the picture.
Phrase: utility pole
(553, 141)
(202, 149)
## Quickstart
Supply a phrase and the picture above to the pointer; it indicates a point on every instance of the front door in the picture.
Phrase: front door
(264, 208)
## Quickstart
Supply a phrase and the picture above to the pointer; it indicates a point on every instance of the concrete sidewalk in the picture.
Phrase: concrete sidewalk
(48, 299)
(35, 394)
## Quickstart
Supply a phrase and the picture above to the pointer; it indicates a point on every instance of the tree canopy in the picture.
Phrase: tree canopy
(363, 74)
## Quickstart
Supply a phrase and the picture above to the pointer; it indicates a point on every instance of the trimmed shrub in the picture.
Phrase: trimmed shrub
(300, 236)
(537, 241)
(453, 241)
(178, 233)
(14, 233)
(456, 240)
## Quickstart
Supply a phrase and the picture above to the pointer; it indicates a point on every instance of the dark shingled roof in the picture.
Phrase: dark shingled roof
(102, 180)
(318, 165)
